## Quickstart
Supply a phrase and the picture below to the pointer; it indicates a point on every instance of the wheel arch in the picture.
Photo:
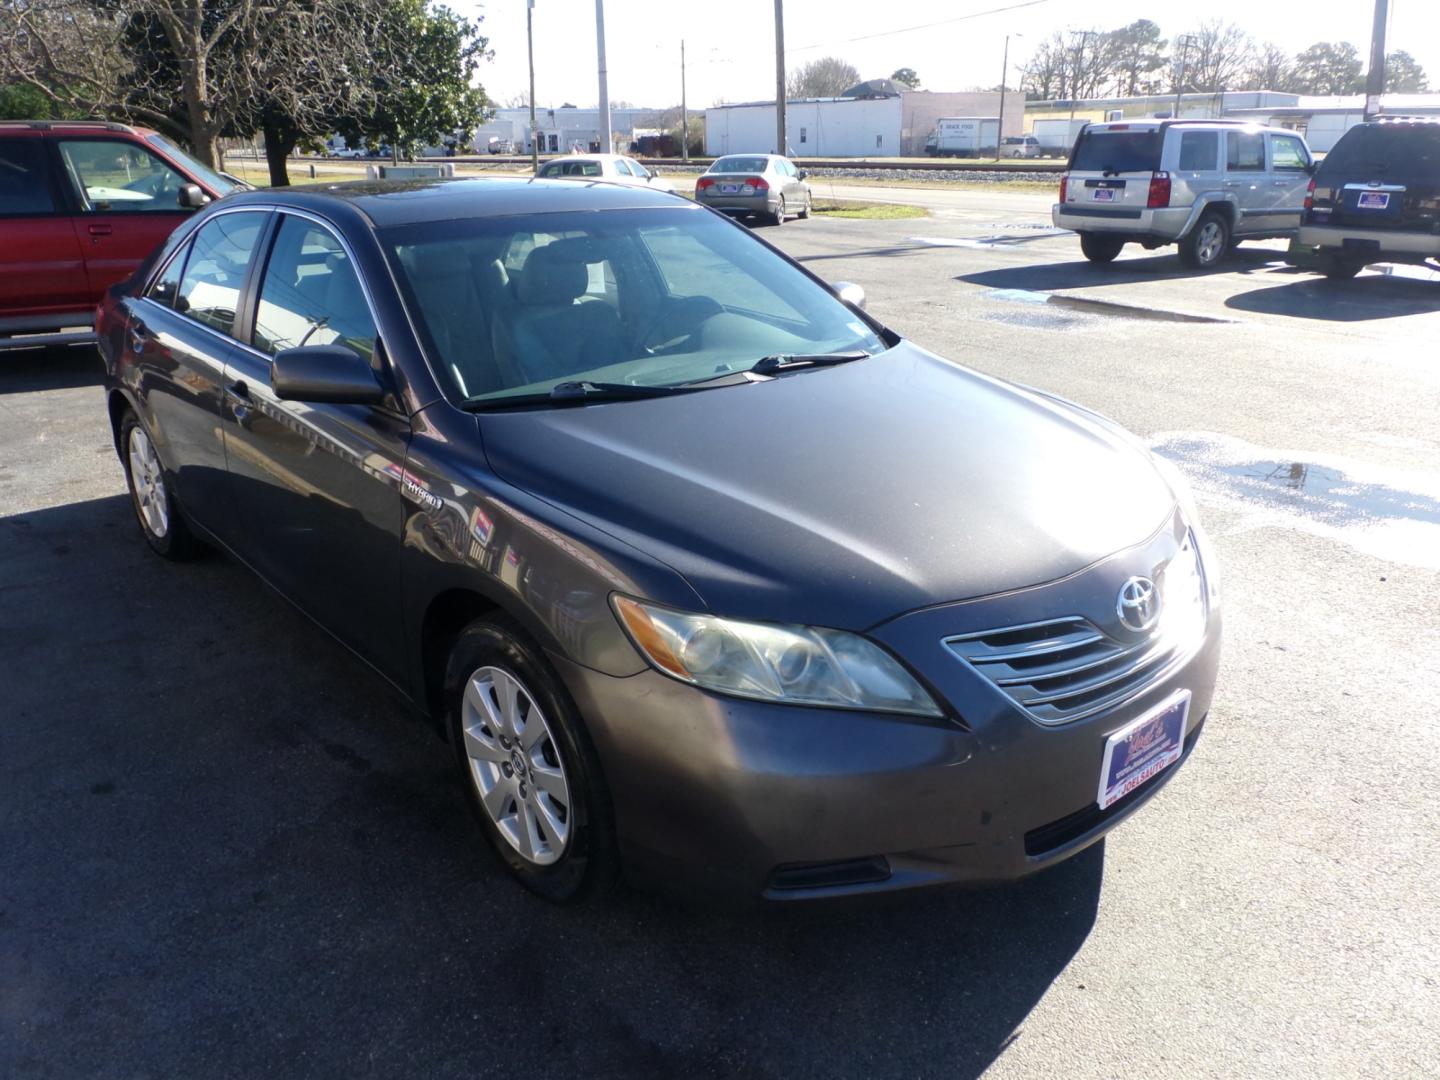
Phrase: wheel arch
(1213, 201)
(445, 616)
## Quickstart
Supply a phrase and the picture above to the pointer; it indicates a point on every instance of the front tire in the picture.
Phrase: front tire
(160, 520)
(1206, 244)
(1337, 269)
(1099, 248)
(530, 773)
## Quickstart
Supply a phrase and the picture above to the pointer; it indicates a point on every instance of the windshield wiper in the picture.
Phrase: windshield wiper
(585, 390)
(770, 365)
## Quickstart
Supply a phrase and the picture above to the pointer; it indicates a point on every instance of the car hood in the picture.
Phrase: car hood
(844, 496)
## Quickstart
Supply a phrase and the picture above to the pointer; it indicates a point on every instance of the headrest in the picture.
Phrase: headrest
(554, 274)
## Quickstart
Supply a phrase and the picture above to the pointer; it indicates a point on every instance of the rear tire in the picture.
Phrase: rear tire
(556, 833)
(1099, 248)
(160, 519)
(805, 210)
(1206, 244)
(778, 218)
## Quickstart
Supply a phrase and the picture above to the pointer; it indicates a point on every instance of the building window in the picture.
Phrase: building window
(802, 135)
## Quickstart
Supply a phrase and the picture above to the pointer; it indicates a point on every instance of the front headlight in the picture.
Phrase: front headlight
(800, 665)
(1184, 604)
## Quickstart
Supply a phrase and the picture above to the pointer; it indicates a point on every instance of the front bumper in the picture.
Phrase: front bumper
(1332, 238)
(1166, 223)
(778, 802)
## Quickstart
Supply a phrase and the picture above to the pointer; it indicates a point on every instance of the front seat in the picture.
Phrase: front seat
(546, 334)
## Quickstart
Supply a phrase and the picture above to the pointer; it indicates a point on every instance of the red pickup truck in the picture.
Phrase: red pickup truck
(81, 206)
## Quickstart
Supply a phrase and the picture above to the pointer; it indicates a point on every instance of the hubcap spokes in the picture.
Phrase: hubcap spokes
(148, 480)
(516, 765)
(1210, 241)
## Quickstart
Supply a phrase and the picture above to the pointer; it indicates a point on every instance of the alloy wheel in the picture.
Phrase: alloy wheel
(147, 482)
(1211, 242)
(515, 765)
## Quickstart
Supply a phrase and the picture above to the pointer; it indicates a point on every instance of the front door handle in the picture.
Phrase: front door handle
(240, 401)
(101, 230)
(138, 332)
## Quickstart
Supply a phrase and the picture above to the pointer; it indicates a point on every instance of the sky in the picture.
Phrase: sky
(730, 44)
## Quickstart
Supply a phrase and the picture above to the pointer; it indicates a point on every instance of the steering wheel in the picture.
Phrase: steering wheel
(679, 318)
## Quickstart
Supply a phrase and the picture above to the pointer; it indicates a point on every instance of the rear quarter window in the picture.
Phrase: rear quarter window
(1117, 151)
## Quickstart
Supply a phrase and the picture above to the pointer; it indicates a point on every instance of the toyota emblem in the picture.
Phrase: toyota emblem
(1138, 604)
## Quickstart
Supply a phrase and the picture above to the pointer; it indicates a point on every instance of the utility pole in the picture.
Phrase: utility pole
(607, 141)
(530, 43)
(1375, 82)
(780, 76)
(684, 109)
(1186, 40)
(1004, 73)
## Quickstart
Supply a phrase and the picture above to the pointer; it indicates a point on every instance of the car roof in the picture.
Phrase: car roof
(408, 202)
(72, 127)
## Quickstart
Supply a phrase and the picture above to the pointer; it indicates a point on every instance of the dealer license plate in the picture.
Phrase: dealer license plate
(1143, 748)
(1374, 200)
(1103, 194)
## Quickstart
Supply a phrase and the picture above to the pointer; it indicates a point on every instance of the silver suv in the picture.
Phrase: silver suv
(1202, 184)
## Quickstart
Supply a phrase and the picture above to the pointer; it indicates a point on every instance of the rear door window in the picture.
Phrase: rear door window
(1199, 151)
(1114, 151)
(215, 270)
(1245, 151)
(24, 179)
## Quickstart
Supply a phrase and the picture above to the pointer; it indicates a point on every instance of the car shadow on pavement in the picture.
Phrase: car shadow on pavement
(226, 849)
(1372, 296)
(24, 371)
(1080, 274)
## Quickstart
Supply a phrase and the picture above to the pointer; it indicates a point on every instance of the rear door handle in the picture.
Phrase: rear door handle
(101, 230)
(138, 332)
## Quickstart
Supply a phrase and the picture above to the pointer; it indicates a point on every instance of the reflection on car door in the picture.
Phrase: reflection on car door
(181, 330)
(129, 202)
(1289, 180)
(317, 487)
(42, 270)
(1246, 180)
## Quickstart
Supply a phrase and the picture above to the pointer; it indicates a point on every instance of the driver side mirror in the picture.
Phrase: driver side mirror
(801, 174)
(325, 375)
(849, 293)
(192, 198)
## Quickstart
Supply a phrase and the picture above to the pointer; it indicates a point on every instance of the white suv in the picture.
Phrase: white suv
(1202, 184)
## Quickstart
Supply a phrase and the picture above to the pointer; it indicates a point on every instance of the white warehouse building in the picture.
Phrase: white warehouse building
(894, 125)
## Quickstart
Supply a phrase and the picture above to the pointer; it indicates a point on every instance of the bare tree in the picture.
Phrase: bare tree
(827, 77)
(1219, 55)
(1270, 69)
(1043, 73)
(198, 68)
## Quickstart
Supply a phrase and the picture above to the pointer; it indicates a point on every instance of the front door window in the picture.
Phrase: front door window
(117, 177)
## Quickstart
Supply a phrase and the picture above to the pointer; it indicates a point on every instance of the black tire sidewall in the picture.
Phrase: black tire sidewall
(589, 863)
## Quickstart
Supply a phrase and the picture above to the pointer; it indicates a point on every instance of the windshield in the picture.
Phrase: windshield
(509, 307)
(209, 177)
(1117, 151)
(739, 165)
(1381, 150)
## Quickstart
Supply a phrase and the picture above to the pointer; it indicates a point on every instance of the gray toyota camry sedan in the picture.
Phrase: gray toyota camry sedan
(701, 570)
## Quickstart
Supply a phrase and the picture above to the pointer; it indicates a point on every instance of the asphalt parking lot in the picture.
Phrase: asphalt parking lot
(226, 851)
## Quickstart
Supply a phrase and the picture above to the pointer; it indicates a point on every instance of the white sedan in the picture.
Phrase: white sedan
(613, 167)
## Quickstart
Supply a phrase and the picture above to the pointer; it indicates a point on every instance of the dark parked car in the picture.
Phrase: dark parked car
(1376, 198)
(81, 206)
(698, 567)
(766, 186)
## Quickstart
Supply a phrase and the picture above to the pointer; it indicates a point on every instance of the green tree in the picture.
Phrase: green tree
(1135, 55)
(22, 102)
(421, 77)
(1328, 68)
(827, 77)
(1404, 75)
(905, 77)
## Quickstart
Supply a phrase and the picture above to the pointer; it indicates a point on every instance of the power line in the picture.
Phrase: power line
(921, 26)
